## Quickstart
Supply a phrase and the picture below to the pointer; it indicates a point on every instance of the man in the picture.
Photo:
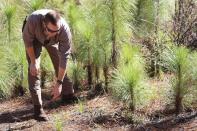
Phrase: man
(46, 28)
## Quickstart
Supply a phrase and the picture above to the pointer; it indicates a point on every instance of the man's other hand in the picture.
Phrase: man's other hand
(56, 91)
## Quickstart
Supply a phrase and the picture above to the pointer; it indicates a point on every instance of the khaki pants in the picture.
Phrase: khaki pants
(34, 81)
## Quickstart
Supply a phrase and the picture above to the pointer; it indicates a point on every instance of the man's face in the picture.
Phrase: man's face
(51, 30)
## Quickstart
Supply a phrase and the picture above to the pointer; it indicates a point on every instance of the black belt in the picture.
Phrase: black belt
(46, 42)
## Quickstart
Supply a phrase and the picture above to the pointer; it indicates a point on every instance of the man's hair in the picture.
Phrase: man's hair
(52, 17)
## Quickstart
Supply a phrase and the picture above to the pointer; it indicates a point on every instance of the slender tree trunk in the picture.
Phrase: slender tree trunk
(132, 106)
(179, 21)
(97, 74)
(76, 83)
(156, 46)
(178, 101)
(114, 43)
(43, 77)
(178, 98)
(9, 30)
(106, 75)
(89, 69)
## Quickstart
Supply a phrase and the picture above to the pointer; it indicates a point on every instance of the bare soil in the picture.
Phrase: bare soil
(100, 113)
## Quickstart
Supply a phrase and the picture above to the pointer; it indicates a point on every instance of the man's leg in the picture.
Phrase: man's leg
(67, 86)
(34, 85)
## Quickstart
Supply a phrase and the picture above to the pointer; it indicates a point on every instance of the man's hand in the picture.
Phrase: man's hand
(34, 69)
(56, 92)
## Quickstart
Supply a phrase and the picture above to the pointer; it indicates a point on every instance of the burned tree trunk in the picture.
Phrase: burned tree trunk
(114, 43)
(185, 23)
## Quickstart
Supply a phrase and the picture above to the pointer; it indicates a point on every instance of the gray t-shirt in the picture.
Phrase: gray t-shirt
(33, 29)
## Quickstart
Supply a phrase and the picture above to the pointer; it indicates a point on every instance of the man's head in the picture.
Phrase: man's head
(51, 23)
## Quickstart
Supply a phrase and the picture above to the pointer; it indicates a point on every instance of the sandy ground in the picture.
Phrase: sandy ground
(97, 114)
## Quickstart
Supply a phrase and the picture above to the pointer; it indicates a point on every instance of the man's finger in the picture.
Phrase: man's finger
(55, 98)
(53, 93)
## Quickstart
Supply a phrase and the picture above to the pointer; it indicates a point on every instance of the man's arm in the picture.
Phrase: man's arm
(29, 32)
(31, 54)
(28, 37)
(61, 74)
(64, 52)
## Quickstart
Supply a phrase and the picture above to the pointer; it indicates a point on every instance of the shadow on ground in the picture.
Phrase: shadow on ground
(19, 115)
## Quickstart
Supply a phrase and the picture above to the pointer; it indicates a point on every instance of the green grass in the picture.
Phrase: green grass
(128, 82)
(58, 123)
(91, 25)
(76, 73)
(181, 62)
(36, 4)
(9, 12)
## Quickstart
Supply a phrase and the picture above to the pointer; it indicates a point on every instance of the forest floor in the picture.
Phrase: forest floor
(99, 113)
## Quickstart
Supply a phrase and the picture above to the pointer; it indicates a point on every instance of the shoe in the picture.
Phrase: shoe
(39, 113)
(69, 99)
